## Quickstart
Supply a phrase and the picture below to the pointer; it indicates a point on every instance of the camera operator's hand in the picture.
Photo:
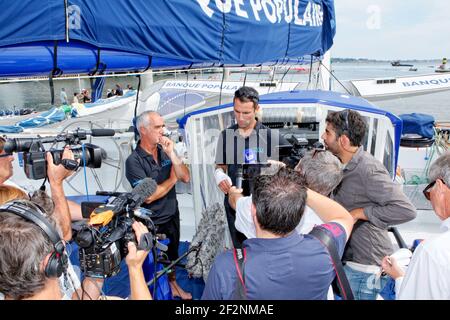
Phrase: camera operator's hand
(135, 258)
(57, 173)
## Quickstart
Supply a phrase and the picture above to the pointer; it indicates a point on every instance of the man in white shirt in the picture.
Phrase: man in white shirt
(428, 274)
(322, 171)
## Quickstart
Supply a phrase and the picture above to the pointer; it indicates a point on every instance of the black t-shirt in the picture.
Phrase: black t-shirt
(234, 150)
(140, 165)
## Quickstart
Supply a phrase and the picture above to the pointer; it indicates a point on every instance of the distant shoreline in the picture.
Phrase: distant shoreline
(356, 60)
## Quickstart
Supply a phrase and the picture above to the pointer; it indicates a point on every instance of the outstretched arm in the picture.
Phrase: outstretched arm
(329, 210)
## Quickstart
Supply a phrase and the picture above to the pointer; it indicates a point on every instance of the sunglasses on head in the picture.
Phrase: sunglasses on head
(427, 190)
(344, 116)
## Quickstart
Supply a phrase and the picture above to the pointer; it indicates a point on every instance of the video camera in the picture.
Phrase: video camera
(34, 159)
(291, 154)
(103, 239)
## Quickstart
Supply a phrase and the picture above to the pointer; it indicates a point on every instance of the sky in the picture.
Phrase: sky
(392, 29)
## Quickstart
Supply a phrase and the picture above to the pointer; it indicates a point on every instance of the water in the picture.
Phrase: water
(36, 94)
(435, 104)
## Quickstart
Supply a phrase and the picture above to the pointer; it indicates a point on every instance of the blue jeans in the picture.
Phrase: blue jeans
(365, 286)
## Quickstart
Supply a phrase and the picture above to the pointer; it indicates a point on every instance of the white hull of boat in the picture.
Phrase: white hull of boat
(385, 88)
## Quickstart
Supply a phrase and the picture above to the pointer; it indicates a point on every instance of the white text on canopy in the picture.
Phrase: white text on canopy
(275, 11)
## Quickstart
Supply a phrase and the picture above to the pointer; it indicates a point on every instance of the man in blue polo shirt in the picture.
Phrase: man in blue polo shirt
(246, 142)
(279, 262)
(155, 157)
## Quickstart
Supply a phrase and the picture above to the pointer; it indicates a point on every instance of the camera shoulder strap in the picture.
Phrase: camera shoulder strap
(328, 242)
(240, 292)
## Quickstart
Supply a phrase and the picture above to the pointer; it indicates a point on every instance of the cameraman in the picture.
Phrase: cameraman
(27, 276)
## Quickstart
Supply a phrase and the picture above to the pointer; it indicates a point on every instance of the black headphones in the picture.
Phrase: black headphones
(57, 263)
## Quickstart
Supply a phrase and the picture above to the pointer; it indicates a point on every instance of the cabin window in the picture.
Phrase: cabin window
(388, 158)
(366, 134)
(374, 136)
(386, 81)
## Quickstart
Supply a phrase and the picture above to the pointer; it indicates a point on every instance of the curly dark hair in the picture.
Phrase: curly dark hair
(349, 123)
(279, 200)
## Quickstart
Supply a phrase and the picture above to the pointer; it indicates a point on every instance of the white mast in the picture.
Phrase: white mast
(325, 78)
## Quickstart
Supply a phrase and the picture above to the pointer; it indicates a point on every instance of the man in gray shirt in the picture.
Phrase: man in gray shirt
(372, 198)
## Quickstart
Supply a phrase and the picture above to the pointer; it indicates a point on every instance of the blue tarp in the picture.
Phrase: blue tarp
(51, 116)
(418, 123)
(11, 129)
(235, 33)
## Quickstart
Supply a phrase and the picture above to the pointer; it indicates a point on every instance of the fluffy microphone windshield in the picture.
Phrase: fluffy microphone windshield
(144, 189)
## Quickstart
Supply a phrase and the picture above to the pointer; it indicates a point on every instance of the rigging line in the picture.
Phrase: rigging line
(221, 85)
(282, 78)
(310, 72)
(185, 94)
(54, 72)
(97, 65)
(318, 77)
(135, 109)
(245, 77)
(273, 76)
(66, 15)
(331, 73)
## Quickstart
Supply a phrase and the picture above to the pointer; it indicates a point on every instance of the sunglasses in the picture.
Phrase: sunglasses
(427, 190)
(344, 116)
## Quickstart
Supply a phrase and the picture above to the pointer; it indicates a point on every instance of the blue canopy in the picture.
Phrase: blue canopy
(184, 32)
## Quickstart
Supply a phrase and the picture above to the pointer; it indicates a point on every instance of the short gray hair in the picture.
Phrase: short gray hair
(440, 169)
(143, 119)
(322, 171)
